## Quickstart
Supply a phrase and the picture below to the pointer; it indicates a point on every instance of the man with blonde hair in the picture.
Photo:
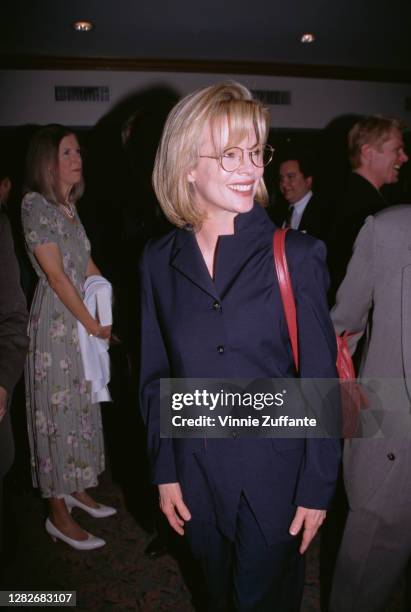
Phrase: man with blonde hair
(376, 154)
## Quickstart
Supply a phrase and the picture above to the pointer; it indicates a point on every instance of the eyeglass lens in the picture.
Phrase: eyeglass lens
(233, 157)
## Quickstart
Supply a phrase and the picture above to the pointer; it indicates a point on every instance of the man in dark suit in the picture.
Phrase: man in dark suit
(376, 153)
(301, 209)
(13, 336)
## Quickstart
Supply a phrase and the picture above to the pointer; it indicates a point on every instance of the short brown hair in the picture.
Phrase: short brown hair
(178, 151)
(372, 130)
(41, 164)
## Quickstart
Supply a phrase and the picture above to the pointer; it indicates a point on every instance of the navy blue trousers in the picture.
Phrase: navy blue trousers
(248, 575)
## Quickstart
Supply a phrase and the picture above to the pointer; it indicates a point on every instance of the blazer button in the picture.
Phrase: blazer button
(217, 306)
(391, 457)
(234, 434)
(220, 349)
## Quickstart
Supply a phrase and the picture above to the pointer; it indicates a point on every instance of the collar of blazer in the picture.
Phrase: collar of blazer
(186, 256)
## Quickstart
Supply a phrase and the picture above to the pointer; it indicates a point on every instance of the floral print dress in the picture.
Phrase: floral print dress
(64, 427)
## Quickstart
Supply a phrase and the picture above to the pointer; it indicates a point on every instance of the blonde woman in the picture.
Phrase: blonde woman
(64, 426)
(211, 309)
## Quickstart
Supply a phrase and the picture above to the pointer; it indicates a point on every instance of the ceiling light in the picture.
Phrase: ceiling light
(83, 26)
(307, 38)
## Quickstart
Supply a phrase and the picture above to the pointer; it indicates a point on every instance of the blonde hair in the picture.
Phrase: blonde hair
(41, 165)
(178, 150)
(373, 130)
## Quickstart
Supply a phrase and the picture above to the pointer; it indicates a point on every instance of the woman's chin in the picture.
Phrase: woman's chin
(246, 205)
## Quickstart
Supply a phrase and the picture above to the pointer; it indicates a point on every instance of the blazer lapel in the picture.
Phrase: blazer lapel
(253, 232)
(187, 259)
(406, 325)
(233, 252)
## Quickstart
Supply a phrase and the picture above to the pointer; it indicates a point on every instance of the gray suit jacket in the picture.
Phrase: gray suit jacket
(375, 296)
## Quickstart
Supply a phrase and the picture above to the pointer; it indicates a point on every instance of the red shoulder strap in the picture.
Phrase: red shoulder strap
(286, 289)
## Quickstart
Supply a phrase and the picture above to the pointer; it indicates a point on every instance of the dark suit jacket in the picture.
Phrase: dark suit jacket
(315, 221)
(13, 312)
(13, 339)
(359, 200)
(234, 327)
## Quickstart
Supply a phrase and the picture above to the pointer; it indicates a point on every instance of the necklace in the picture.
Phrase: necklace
(69, 210)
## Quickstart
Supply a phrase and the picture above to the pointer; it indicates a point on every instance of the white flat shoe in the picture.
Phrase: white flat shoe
(91, 543)
(100, 512)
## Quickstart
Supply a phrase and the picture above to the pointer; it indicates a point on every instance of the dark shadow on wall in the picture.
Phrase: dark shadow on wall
(120, 213)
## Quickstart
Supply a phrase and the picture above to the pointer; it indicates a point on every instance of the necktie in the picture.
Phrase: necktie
(287, 220)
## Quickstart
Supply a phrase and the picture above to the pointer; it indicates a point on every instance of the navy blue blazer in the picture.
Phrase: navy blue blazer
(233, 326)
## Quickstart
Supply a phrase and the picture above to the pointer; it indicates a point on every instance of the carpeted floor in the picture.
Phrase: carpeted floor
(118, 576)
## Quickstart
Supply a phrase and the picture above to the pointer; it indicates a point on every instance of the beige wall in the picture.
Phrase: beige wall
(28, 96)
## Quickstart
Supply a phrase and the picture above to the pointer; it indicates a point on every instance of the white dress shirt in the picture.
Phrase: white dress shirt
(298, 210)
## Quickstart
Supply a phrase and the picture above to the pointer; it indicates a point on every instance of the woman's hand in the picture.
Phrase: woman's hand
(105, 332)
(173, 506)
(312, 520)
(100, 331)
(50, 260)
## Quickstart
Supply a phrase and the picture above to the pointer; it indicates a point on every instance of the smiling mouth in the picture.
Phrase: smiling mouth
(242, 187)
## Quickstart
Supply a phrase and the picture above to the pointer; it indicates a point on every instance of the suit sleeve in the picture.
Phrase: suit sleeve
(13, 313)
(154, 365)
(317, 350)
(355, 294)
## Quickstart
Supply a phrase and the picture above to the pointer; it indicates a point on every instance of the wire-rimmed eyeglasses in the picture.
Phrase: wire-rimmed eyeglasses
(232, 158)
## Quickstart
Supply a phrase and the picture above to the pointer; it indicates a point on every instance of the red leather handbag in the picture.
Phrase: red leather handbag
(351, 395)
